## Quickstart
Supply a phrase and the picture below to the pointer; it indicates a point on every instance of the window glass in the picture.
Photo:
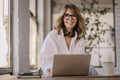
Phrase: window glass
(4, 35)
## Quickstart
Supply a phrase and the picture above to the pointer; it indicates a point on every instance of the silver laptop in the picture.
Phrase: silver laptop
(71, 64)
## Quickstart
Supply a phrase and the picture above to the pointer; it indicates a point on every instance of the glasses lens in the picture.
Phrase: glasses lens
(66, 16)
(74, 17)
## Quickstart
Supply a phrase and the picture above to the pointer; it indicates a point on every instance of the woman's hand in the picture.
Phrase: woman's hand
(49, 71)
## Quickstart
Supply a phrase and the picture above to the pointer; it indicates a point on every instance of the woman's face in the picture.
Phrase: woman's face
(70, 20)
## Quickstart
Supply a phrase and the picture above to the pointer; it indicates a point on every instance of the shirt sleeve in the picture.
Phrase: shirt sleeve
(46, 54)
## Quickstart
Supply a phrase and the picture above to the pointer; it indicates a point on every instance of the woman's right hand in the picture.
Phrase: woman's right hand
(49, 71)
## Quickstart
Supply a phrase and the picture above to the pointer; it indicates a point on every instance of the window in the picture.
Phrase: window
(5, 55)
(33, 36)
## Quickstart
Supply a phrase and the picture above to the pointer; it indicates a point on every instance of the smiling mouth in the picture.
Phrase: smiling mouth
(70, 23)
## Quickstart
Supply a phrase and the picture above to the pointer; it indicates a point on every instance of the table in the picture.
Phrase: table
(2, 77)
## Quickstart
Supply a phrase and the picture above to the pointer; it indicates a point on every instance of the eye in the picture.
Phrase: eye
(66, 15)
(74, 16)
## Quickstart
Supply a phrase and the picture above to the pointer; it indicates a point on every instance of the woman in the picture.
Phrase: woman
(66, 37)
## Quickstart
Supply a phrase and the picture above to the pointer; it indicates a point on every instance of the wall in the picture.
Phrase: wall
(117, 32)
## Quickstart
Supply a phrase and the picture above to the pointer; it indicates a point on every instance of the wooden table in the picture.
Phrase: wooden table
(2, 77)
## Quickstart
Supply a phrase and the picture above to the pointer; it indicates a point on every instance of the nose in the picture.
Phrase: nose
(70, 18)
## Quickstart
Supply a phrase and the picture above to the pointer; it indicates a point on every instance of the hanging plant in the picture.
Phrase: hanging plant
(94, 26)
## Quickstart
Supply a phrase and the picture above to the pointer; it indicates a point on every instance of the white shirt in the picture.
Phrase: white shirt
(55, 44)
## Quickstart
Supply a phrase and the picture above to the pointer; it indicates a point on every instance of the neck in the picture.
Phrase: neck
(68, 30)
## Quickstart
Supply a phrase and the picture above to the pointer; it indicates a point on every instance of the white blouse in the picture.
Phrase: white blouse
(55, 44)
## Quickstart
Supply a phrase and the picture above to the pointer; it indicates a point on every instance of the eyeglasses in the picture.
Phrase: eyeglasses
(67, 16)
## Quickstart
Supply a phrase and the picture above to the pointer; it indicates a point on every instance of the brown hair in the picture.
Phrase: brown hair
(80, 26)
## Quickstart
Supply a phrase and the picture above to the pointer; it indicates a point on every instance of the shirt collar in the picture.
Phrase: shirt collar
(62, 34)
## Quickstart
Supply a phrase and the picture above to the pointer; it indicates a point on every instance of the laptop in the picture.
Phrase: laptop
(71, 64)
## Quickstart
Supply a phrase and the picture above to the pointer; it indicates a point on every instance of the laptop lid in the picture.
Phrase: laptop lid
(71, 64)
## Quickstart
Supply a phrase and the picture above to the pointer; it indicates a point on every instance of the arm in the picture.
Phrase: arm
(46, 55)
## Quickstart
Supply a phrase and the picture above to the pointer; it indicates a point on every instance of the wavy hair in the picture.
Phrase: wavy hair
(80, 25)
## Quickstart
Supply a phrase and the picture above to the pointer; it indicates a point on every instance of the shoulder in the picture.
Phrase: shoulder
(82, 40)
(52, 34)
(50, 38)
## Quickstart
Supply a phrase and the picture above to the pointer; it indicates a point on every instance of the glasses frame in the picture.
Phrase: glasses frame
(73, 16)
